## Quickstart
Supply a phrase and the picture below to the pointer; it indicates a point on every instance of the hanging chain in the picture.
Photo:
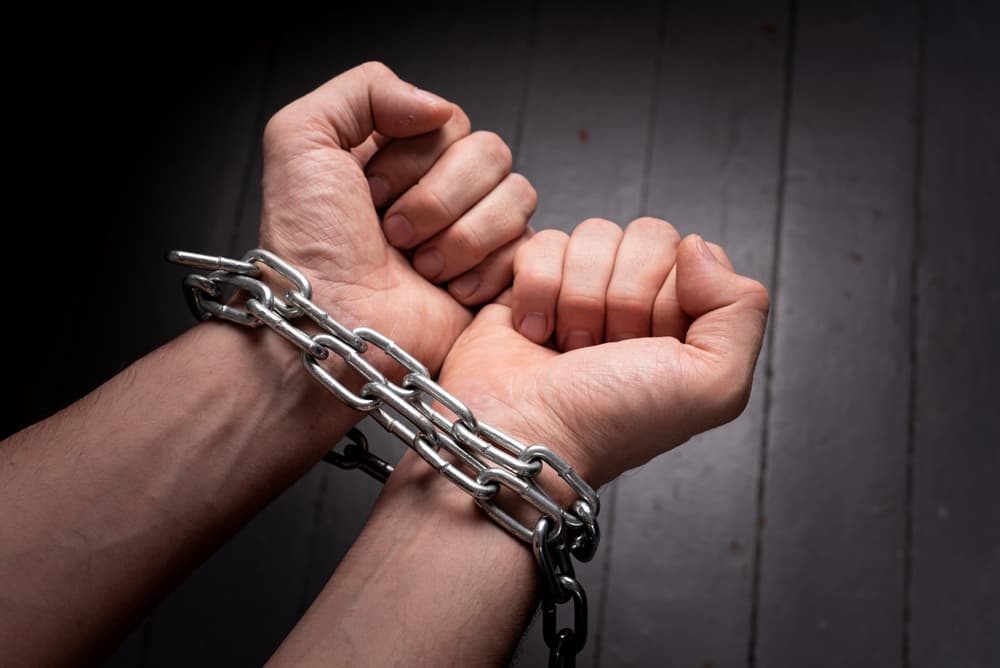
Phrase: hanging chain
(483, 458)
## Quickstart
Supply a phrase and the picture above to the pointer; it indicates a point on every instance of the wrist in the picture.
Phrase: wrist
(389, 305)
(535, 422)
(256, 378)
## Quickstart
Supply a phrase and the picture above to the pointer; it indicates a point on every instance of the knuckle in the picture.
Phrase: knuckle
(526, 194)
(533, 252)
(375, 69)
(649, 226)
(549, 237)
(598, 227)
(460, 122)
(538, 280)
(423, 202)
(582, 303)
(494, 147)
(628, 303)
(278, 126)
(468, 243)
(755, 294)
(543, 245)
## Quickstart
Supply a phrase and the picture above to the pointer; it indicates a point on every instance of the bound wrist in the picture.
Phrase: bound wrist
(269, 388)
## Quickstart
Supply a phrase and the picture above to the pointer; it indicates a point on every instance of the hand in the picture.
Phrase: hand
(683, 333)
(366, 140)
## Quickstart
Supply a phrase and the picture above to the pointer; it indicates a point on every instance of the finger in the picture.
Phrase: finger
(469, 169)
(495, 221)
(669, 319)
(347, 109)
(590, 259)
(645, 257)
(369, 147)
(728, 313)
(485, 281)
(720, 254)
(396, 167)
(538, 270)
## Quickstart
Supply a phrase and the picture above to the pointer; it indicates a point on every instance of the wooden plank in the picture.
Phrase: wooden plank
(955, 586)
(832, 547)
(584, 149)
(681, 575)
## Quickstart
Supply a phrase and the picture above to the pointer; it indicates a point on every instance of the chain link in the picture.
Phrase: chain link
(483, 458)
(357, 456)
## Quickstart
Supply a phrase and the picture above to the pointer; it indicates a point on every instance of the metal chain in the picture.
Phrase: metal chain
(483, 458)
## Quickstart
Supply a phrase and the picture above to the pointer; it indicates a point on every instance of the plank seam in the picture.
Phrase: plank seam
(779, 219)
(915, 253)
(522, 113)
(312, 541)
(654, 110)
(602, 599)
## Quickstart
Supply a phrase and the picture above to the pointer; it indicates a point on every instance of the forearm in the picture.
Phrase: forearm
(112, 500)
(431, 581)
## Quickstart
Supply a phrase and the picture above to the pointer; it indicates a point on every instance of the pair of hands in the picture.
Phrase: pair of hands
(683, 329)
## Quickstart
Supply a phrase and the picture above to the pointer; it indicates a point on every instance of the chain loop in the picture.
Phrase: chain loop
(327, 380)
(527, 491)
(423, 382)
(325, 322)
(213, 263)
(286, 330)
(286, 271)
(551, 565)
(563, 654)
(240, 316)
(407, 412)
(578, 632)
(357, 456)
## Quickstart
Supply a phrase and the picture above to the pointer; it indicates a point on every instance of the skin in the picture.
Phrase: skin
(430, 576)
(110, 502)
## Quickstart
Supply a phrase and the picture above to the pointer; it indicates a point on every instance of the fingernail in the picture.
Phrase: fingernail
(398, 230)
(533, 326)
(380, 190)
(428, 96)
(623, 336)
(578, 339)
(466, 284)
(705, 250)
(428, 262)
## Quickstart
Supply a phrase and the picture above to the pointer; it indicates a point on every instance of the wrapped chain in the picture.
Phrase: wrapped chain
(483, 458)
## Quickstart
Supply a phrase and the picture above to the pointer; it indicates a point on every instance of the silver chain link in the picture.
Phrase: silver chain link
(483, 458)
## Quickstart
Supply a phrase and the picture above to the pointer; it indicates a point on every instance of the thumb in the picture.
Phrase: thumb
(346, 109)
(729, 314)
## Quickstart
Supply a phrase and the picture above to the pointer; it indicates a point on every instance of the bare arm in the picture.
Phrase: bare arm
(109, 502)
(429, 582)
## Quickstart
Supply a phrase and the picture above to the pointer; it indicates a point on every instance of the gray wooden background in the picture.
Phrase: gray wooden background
(845, 153)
